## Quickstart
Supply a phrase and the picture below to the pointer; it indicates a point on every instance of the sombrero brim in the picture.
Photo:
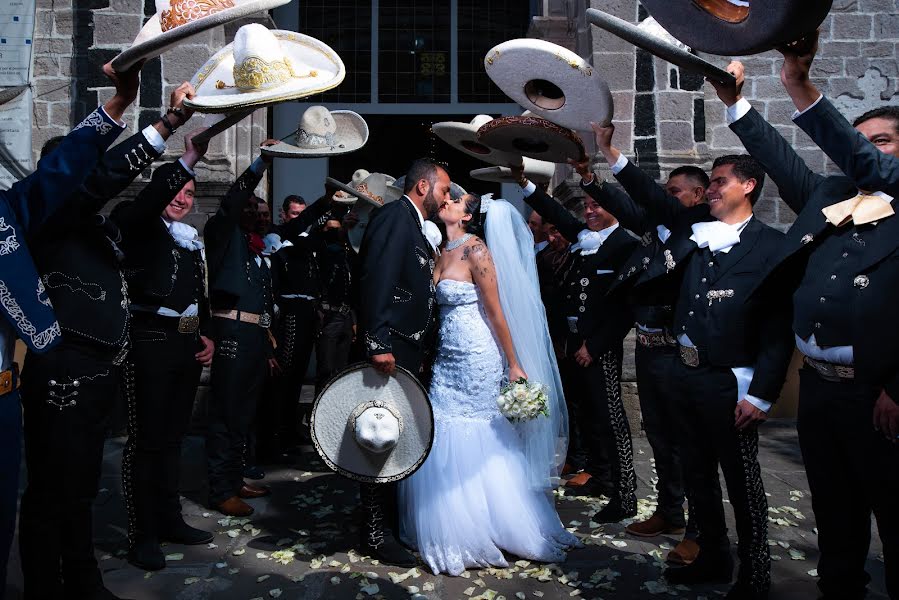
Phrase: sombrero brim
(333, 439)
(306, 55)
(537, 171)
(518, 66)
(352, 134)
(464, 138)
(661, 48)
(533, 137)
(392, 193)
(153, 41)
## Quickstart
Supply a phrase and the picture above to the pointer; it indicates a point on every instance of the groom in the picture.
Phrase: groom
(397, 316)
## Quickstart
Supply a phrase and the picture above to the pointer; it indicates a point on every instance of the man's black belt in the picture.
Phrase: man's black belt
(337, 308)
(655, 339)
(830, 371)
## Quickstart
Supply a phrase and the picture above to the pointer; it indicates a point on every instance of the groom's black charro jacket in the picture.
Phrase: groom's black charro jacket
(397, 284)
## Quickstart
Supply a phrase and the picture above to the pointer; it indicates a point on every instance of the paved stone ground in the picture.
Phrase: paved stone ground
(311, 513)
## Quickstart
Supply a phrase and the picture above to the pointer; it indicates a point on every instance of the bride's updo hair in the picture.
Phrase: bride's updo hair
(473, 207)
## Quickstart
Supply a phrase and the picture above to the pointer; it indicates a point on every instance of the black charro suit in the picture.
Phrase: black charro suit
(844, 283)
(161, 372)
(654, 355)
(397, 285)
(398, 301)
(68, 393)
(600, 322)
(731, 328)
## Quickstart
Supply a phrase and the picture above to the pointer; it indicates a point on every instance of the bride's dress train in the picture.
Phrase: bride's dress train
(471, 499)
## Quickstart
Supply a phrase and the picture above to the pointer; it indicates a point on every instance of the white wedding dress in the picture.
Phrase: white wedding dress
(472, 498)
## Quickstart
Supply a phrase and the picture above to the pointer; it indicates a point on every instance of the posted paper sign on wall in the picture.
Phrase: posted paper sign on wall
(16, 36)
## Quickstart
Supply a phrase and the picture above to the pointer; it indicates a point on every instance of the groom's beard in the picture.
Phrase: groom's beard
(430, 206)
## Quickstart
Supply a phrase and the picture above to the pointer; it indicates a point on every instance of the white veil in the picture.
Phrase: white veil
(511, 243)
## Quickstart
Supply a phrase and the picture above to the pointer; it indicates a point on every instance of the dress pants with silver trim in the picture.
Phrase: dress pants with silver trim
(705, 398)
(853, 472)
(64, 456)
(161, 378)
(239, 369)
(295, 335)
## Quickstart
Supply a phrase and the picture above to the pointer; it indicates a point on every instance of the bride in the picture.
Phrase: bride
(485, 488)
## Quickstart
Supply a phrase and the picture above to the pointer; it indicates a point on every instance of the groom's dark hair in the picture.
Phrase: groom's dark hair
(422, 168)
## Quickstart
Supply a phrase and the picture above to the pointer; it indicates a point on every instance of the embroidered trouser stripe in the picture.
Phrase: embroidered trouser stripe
(128, 454)
(752, 515)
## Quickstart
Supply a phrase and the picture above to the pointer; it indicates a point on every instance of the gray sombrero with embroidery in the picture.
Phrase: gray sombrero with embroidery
(322, 132)
(371, 427)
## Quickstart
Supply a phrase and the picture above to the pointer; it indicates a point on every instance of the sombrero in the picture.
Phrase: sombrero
(323, 133)
(262, 67)
(376, 189)
(551, 82)
(735, 27)
(653, 39)
(538, 171)
(371, 427)
(532, 137)
(464, 137)
(179, 20)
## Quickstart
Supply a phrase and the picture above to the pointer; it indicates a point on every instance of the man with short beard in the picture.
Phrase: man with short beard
(398, 306)
(166, 274)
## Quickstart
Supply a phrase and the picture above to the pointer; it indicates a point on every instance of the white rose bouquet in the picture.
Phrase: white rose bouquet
(521, 400)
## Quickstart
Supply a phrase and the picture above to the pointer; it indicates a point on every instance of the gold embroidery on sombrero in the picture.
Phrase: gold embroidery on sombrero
(255, 74)
(185, 11)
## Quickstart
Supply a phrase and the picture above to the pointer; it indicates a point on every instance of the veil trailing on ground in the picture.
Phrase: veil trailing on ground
(512, 245)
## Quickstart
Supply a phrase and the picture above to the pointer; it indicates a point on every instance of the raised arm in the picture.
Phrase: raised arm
(795, 181)
(660, 207)
(483, 273)
(630, 214)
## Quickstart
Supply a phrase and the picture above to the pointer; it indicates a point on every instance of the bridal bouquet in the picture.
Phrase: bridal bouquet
(522, 401)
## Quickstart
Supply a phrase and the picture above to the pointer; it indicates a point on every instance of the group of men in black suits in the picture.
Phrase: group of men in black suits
(713, 292)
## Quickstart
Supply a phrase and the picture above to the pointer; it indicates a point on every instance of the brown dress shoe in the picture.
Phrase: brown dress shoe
(248, 490)
(684, 553)
(653, 526)
(578, 480)
(235, 507)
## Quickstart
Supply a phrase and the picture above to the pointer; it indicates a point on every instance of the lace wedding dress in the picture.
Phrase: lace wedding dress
(471, 499)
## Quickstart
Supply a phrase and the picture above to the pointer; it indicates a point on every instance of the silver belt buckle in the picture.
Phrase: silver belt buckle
(689, 356)
(188, 324)
(265, 320)
(572, 324)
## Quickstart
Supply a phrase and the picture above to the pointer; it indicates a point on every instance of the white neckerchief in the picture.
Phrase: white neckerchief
(432, 234)
(184, 235)
(717, 236)
(588, 242)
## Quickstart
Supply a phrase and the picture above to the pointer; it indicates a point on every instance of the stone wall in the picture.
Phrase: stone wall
(72, 41)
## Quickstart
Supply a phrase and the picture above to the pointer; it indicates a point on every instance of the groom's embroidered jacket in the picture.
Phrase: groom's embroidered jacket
(23, 210)
(397, 286)
(598, 319)
(715, 308)
(78, 251)
(844, 281)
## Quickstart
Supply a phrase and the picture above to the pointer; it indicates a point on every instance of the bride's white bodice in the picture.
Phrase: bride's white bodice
(469, 366)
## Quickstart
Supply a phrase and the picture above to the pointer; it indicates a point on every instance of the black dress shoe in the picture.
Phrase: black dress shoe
(617, 510)
(391, 552)
(180, 532)
(709, 567)
(146, 555)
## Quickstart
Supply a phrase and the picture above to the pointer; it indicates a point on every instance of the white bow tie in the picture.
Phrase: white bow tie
(185, 236)
(716, 236)
(588, 242)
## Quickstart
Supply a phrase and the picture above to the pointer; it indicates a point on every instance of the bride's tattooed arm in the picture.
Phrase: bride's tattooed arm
(483, 273)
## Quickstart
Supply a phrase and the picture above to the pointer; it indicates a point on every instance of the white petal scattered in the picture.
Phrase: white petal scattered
(174, 556)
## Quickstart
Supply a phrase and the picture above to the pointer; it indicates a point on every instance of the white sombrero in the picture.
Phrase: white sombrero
(322, 132)
(551, 82)
(178, 20)
(262, 67)
(464, 137)
(371, 427)
(532, 137)
(653, 38)
(376, 189)
(538, 171)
